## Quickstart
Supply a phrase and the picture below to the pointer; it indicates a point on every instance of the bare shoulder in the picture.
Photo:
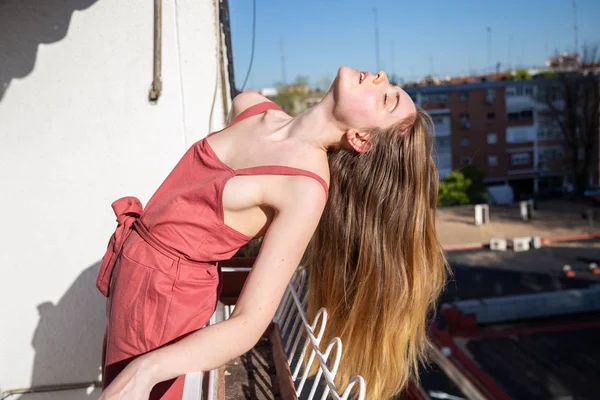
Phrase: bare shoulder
(245, 100)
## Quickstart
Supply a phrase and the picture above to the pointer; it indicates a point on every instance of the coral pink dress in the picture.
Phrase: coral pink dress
(161, 270)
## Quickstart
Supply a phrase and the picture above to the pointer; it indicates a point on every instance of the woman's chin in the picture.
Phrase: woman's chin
(344, 70)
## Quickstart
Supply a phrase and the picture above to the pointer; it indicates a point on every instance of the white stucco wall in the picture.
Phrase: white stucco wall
(76, 133)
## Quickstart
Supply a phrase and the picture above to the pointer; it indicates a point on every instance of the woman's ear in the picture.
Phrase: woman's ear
(359, 141)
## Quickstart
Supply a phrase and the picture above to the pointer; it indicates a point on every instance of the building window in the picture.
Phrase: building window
(551, 133)
(519, 91)
(463, 95)
(521, 134)
(442, 144)
(551, 154)
(526, 115)
(552, 93)
(465, 161)
(437, 120)
(465, 141)
(434, 97)
(464, 120)
(490, 95)
(491, 116)
(520, 158)
(493, 161)
(492, 138)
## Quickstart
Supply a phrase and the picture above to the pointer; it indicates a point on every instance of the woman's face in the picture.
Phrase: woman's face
(364, 101)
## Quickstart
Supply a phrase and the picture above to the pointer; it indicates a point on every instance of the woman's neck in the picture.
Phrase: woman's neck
(316, 127)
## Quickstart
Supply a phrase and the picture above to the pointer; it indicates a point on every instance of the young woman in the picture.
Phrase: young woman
(354, 174)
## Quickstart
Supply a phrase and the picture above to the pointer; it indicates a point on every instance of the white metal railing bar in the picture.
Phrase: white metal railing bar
(193, 386)
(294, 326)
(294, 293)
(231, 269)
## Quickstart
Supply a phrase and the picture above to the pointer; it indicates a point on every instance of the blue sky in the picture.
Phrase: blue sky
(446, 37)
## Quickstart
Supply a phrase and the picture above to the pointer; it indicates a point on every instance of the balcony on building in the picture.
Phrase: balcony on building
(442, 148)
(434, 101)
(521, 105)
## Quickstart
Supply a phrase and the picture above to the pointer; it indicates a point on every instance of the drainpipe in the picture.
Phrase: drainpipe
(156, 87)
(50, 388)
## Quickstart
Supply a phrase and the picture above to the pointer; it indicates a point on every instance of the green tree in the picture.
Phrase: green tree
(284, 99)
(521, 74)
(302, 80)
(324, 83)
(453, 190)
(573, 103)
(477, 191)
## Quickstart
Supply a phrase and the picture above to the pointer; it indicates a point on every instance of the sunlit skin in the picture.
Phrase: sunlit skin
(369, 100)
(354, 105)
(364, 101)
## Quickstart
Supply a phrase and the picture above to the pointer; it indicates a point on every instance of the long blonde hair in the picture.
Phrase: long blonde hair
(374, 261)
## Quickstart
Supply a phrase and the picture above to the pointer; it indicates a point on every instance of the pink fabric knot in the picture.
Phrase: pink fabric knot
(127, 210)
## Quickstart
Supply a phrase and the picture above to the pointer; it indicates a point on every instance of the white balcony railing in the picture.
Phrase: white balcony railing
(298, 335)
(300, 338)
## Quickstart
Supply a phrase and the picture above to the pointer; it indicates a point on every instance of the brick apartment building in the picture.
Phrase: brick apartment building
(501, 128)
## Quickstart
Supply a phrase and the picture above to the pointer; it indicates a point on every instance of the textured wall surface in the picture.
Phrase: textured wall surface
(76, 133)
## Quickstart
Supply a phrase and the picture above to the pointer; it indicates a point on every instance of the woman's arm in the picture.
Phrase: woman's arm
(298, 210)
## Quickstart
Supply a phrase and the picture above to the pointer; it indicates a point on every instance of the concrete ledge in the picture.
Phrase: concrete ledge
(465, 373)
(544, 241)
(567, 238)
(465, 246)
(282, 368)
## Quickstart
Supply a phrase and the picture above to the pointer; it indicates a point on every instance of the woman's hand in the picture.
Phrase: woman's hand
(133, 383)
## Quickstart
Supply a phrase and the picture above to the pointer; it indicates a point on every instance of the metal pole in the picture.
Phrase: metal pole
(377, 63)
(489, 49)
(156, 88)
(51, 388)
(282, 57)
(393, 68)
(575, 27)
(510, 64)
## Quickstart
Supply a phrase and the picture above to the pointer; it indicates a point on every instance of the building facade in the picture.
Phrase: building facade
(502, 128)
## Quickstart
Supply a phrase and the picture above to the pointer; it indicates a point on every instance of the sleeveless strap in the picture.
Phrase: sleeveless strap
(283, 170)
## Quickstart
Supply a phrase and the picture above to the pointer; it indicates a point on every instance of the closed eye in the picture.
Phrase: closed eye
(397, 101)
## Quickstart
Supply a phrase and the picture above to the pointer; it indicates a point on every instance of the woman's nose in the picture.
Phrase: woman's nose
(381, 77)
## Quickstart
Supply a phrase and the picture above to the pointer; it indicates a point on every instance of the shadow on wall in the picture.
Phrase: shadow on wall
(68, 338)
(24, 25)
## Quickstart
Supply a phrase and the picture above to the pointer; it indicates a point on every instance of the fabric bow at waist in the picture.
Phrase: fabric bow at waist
(127, 210)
